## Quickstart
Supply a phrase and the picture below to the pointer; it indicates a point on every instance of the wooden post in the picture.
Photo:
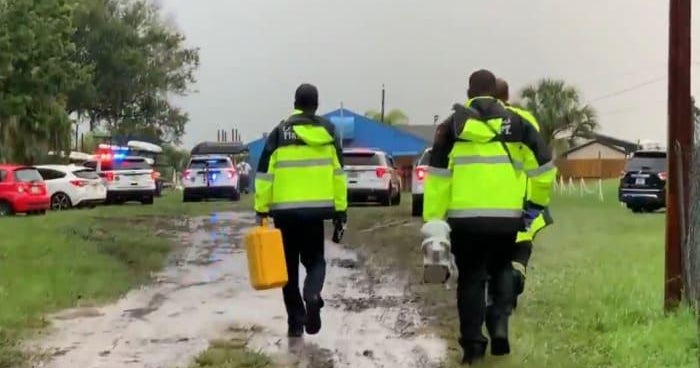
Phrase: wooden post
(680, 143)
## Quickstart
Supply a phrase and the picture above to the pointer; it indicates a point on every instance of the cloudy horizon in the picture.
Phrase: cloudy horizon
(254, 54)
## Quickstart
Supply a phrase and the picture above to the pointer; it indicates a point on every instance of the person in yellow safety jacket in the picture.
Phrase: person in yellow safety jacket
(474, 183)
(300, 182)
(523, 243)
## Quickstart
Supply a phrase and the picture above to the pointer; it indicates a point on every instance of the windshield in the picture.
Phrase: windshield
(649, 161)
(216, 163)
(425, 159)
(126, 164)
(361, 159)
(86, 174)
(27, 175)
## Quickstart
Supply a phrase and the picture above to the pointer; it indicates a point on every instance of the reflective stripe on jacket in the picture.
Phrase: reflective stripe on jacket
(301, 170)
(479, 158)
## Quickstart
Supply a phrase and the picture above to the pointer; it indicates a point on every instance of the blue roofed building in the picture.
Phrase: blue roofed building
(358, 131)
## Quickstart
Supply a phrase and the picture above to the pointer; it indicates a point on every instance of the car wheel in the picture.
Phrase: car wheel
(236, 196)
(60, 202)
(5, 209)
(397, 199)
(147, 200)
(42, 212)
(636, 209)
(416, 206)
(388, 197)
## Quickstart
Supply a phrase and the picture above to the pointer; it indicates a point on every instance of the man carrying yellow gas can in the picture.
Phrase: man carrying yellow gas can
(300, 182)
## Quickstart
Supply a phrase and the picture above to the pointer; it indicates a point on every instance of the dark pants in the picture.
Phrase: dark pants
(244, 183)
(481, 258)
(522, 252)
(303, 240)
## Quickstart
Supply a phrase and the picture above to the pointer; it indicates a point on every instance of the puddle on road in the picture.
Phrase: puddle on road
(206, 291)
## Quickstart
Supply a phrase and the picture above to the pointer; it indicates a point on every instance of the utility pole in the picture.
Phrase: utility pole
(680, 145)
(383, 102)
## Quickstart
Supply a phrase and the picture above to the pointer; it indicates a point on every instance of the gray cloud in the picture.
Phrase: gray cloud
(255, 52)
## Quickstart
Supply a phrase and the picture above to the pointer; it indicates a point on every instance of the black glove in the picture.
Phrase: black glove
(340, 221)
(260, 218)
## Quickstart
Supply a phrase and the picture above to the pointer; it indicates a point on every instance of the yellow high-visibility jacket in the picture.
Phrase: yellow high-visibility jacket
(544, 219)
(476, 172)
(300, 172)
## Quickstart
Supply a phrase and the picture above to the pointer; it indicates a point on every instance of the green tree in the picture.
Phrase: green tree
(37, 71)
(559, 110)
(139, 61)
(393, 117)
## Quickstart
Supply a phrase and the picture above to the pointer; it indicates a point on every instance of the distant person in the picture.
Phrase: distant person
(244, 170)
(523, 243)
(474, 184)
(300, 182)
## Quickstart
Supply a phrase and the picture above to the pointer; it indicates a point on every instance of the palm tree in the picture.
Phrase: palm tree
(560, 112)
(394, 117)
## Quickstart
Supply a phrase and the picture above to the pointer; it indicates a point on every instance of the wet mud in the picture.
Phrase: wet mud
(204, 295)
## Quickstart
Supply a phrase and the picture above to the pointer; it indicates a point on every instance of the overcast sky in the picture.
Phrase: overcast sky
(255, 52)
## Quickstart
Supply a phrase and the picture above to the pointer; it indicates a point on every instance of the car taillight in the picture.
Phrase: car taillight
(381, 171)
(622, 173)
(420, 173)
(187, 174)
(109, 176)
(662, 175)
(231, 173)
(21, 188)
(155, 175)
(79, 183)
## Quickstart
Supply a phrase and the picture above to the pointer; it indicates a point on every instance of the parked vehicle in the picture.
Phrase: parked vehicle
(210, 176)
(127, 178)
(420, 170)
(72, 186)
(643, 182)
(372, 177)
(152, 152)
(22, 190)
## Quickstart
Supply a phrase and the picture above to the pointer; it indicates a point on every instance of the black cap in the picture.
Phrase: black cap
(306, 97)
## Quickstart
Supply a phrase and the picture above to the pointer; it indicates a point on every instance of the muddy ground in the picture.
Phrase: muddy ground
(204, 294)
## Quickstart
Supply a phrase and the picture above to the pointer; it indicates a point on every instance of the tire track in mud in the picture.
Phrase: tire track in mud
(368, 321)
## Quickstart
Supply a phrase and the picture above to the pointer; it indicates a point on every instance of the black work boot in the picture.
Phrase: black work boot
(497, 325)
(313, 314)
(295, 330)
(473, 352)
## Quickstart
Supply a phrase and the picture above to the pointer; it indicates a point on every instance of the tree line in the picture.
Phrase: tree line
(112, 64)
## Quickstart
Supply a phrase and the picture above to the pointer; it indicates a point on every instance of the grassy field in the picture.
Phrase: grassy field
(81, 257)
(594, 291)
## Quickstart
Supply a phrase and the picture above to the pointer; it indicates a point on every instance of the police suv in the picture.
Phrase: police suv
(127, 178)
(372, 176)
(210, 176)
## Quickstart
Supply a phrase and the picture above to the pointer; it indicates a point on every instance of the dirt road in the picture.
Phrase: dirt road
(368, 321)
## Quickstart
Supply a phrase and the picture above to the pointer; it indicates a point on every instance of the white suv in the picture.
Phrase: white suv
(130, 178)
(210, 176)
(420, 170)
(372, 176)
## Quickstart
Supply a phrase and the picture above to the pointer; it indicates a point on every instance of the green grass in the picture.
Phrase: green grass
(594, 295)
(231, 354)
(81, 257)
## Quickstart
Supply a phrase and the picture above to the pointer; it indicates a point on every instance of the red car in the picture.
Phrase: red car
(22, 190)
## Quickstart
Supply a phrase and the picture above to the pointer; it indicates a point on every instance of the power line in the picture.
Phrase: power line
(628, 89)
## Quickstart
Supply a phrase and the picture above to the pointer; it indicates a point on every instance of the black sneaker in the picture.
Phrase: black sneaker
(497, 327)
(295, 331)
(313, 315)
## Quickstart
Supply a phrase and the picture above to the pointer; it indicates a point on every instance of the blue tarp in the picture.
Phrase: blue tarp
(359, 131)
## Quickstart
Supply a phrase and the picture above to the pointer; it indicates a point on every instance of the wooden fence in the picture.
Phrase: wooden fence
(590, 168)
